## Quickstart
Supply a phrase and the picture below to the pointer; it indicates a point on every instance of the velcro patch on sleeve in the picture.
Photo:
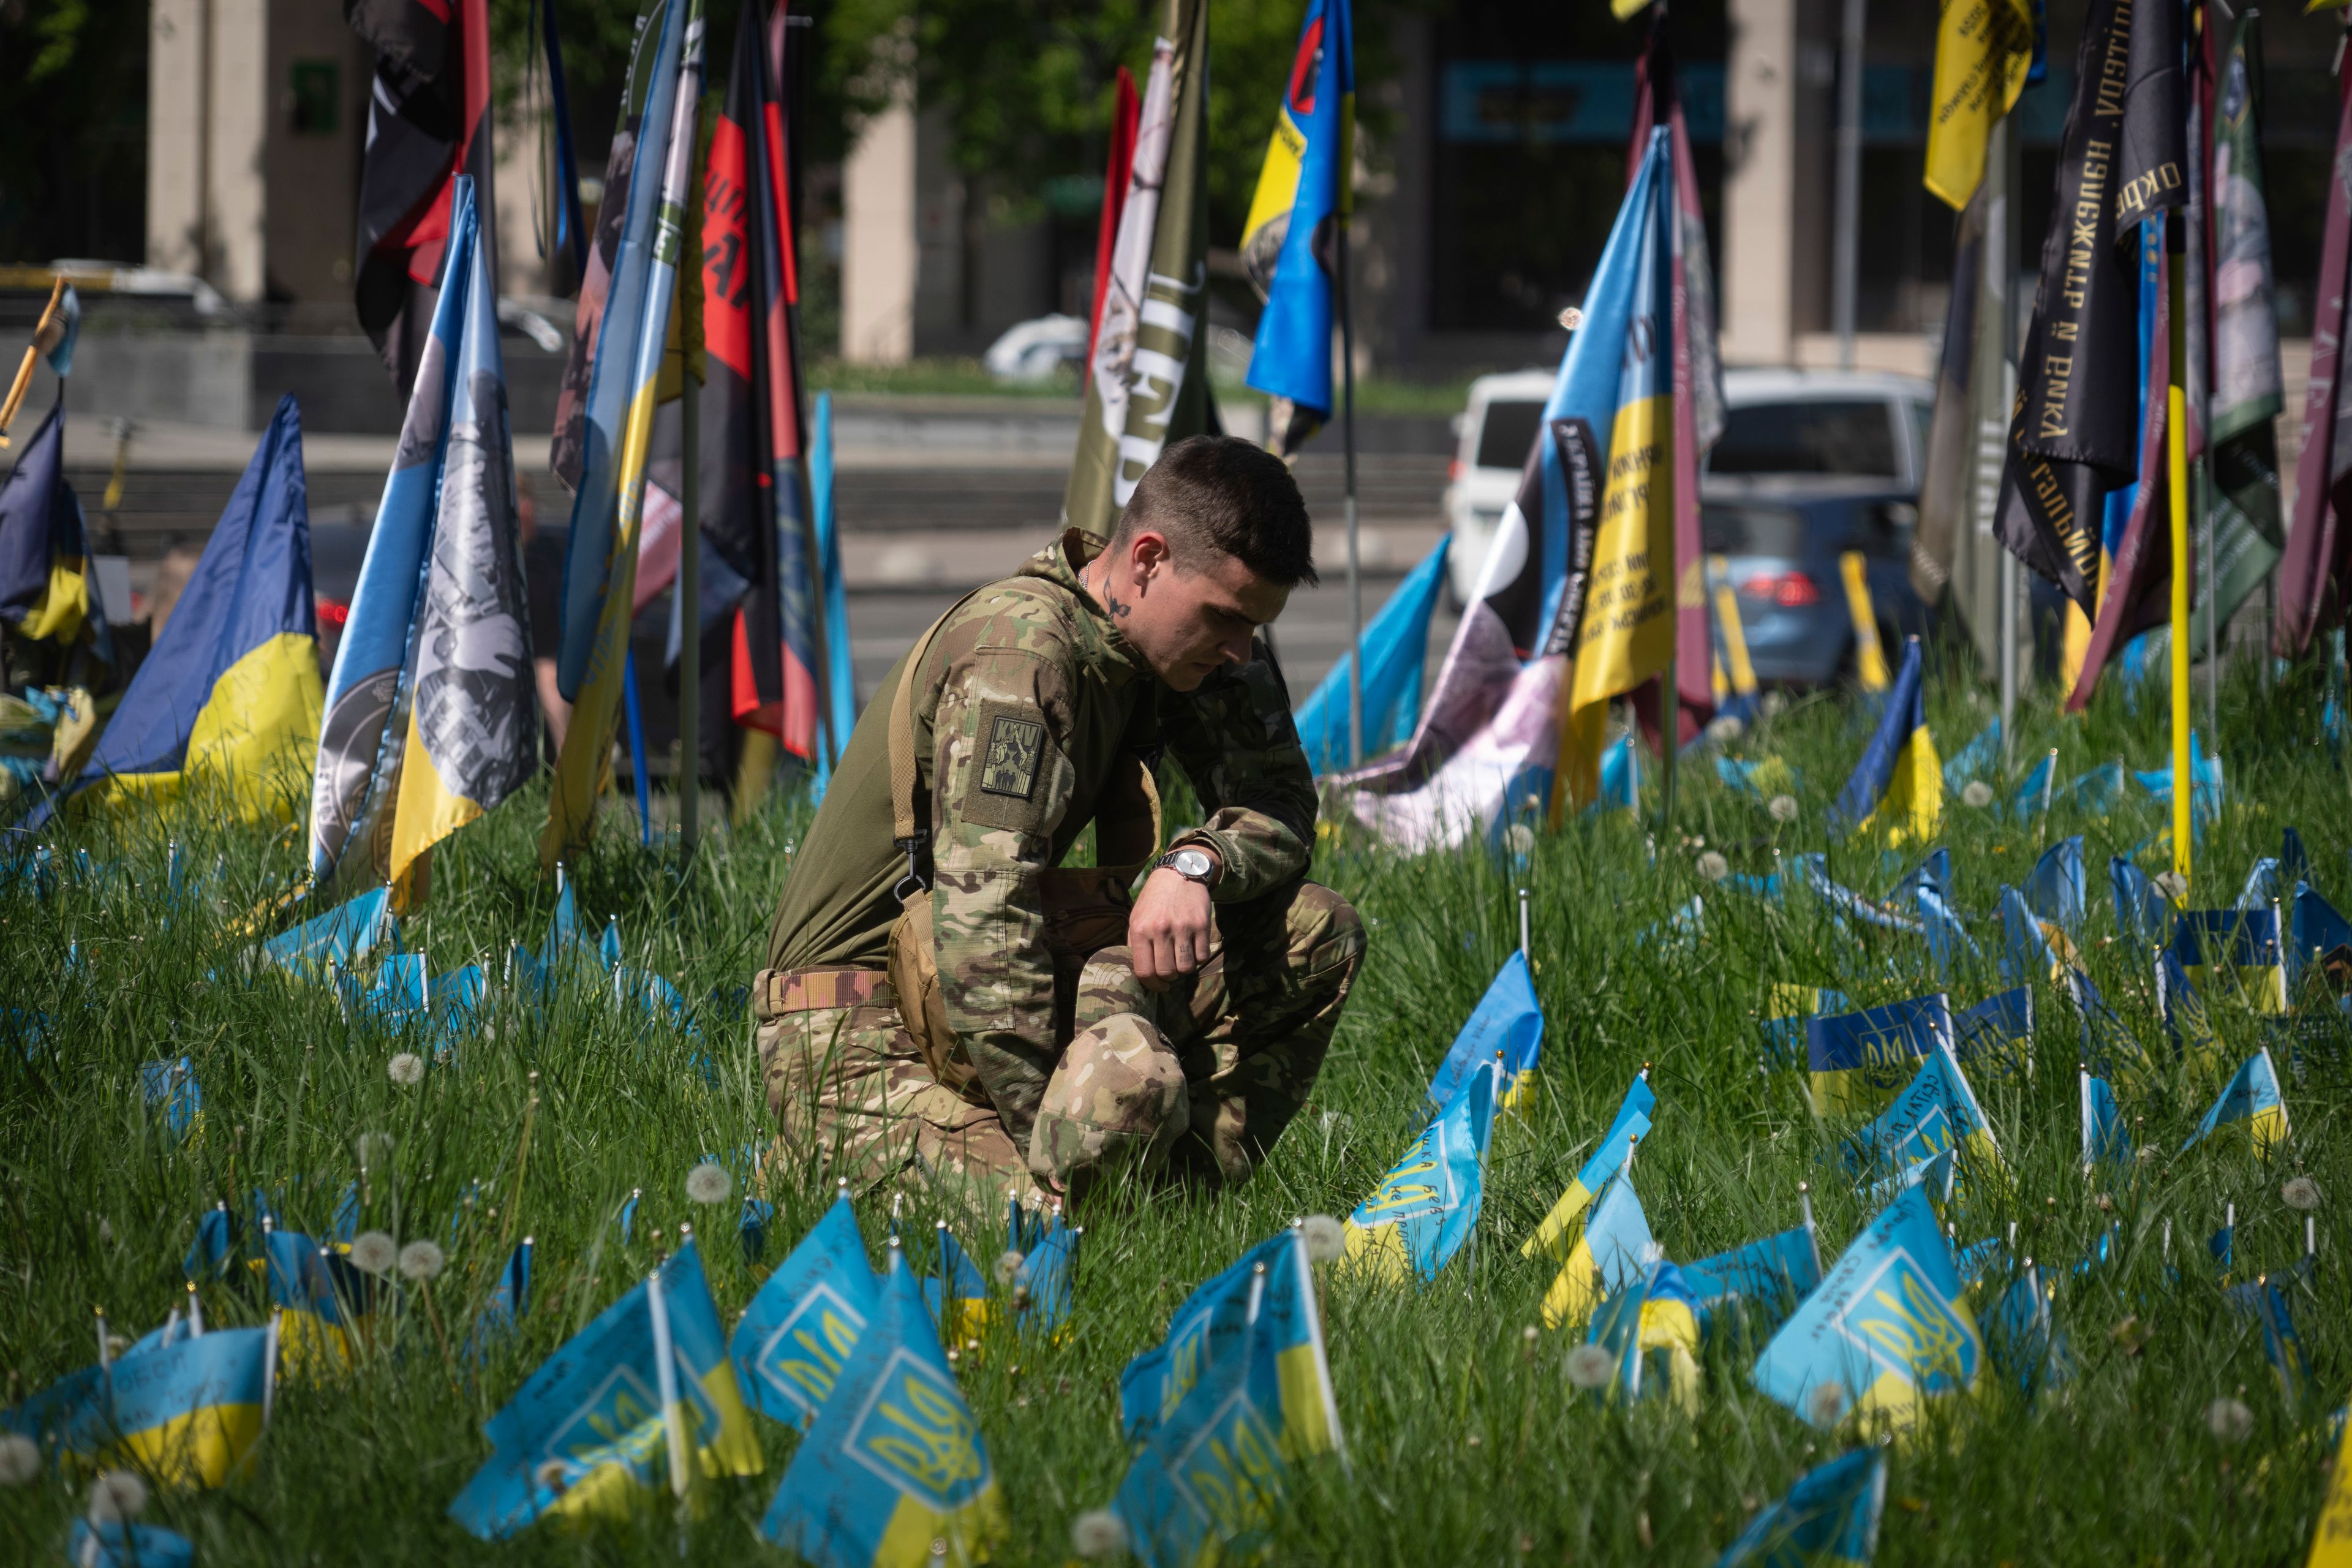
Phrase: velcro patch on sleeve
(1007, 785)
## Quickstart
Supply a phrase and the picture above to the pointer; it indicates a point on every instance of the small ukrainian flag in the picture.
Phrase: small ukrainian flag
(2253, 1099)
(1899, 773)
(1860, 1059)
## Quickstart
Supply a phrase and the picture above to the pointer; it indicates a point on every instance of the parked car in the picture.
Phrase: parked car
(1780, 547)
(1833, 453)
(1037, 350)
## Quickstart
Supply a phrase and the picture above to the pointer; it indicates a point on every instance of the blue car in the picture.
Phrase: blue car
(1781, 549)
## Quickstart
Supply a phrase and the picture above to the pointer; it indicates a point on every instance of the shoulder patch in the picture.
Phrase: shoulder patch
(1009, 761)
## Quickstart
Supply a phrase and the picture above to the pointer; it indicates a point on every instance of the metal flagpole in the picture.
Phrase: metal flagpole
(690, 542)
(1347, 447)
(2000, 250)
(1845, 259)
(2176, 472)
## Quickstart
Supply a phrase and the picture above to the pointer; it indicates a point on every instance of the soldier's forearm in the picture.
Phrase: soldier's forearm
(1260, 850)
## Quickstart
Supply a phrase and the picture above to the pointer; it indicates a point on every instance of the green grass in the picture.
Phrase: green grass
(1466, 1443)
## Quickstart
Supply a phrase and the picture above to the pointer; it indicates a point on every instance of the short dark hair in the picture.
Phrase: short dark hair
(1223, 494)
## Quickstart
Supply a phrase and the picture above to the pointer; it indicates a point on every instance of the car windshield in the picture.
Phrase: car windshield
(1851, 437)
(1752, 531)
(1510, 430)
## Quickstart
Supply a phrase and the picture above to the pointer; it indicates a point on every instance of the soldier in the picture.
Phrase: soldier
(943, 995)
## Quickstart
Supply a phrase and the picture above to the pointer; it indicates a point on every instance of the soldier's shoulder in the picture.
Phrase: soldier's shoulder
(1020, 615)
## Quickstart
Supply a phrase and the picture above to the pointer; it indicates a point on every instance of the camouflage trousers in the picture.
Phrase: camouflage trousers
(1196, 1081)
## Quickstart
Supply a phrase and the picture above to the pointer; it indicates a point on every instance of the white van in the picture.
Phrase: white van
(1788, 424)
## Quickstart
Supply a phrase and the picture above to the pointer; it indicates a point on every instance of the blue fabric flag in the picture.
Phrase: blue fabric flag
(799, 1331)
(185, 1408)
(1828, 1520)
(1899, 769)
(1931, 875)
(1041, 1284)
(1553, 1237)
(510, 1299)
(958, 1294)
(1860, 1059)
(894, 1460)
(596, 1428)
(1949, 940)
(1303, 189)
(1615, 1249)
(215, 1245)
(120, 1544)
(2235, 952)
(171, 1087)
(2186, 1022)
(2142, 913)
(1770, 1277)
(2263, 1301)
(1974, 759)
(1998, 1032)
(2317, 935)
(2205, 795)
(1507, 1026)
(2026, 955)
(45, 585)
(1887, 1329)
(1427, 1206)
(1396, 646)
(1786, 1009)
(346, 933)
(2054, 889)
(1936, 1111)
(2105, 1141)
(841, 700)
(2252, 1098)
(2261, 888)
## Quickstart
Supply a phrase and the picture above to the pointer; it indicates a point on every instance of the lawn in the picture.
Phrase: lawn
(1466, 1442)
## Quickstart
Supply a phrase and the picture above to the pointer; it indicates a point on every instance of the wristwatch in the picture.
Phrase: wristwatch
(1193, 864)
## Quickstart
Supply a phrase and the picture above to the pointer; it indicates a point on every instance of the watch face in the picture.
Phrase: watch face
(1193, 862)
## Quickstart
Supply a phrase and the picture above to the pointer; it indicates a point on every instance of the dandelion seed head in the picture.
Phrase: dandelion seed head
(1783, 807)
(374, 1251)
(1008, 1266)
(553, 1475)
(2299, 1193)
(374, 1149)
(1725, 728)
(1714, 867)
(421, 1261)
(20, 1459)
(2172, 884)
(1589, 1366)
(407, 1068)
(1977, 794)
(1826, 1403)
(2229, 1420)
(708, 1183)
(1098, 1532)
(1326, 1239)
(117, 1495)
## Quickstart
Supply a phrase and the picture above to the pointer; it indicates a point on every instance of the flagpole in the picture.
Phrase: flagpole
(2177, 474)
(1348, 451)
(1845, 260)
(689, 562)
(2004, 255)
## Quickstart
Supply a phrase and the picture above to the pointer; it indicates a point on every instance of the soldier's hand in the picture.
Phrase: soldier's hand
(1170, 929)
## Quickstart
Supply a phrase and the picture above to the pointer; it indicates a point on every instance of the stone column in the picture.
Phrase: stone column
(176, 81)
(235, 146)
(878, 247)
(1759, 183)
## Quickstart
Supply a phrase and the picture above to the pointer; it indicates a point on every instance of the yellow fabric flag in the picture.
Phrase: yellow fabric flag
(1983, 49)
(1628, 633)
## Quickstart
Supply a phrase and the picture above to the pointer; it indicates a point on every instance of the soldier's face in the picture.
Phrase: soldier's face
(1190, 619)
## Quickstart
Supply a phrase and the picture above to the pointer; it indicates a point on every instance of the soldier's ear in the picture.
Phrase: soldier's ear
(1150, 553)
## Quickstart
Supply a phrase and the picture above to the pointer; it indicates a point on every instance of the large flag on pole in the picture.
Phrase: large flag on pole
(1148, 382)
(1126, 107)
(1396, 646)
(600, 571)
(2246, 390)
(2315, 575)
(428, 126)
(1627, 628)
(2073, 435)
(1983, 53)
(1288, 243)
(228, 698)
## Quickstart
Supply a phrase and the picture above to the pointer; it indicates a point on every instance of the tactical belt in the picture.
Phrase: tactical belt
(814, 990)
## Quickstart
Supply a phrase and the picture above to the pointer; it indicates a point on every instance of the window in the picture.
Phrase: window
(1752, 531)
(1508, 431)
(1853, 436)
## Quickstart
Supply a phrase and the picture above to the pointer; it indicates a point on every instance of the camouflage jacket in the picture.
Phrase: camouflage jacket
(1028, 703)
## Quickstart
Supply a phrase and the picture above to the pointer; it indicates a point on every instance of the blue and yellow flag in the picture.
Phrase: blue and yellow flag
(1858, 1061)
(1949, 941)
(600, 565)
(1555, 1235)
(1048, 1250)
(958, 1294)
(2027, 954)
(44, 588)
(327, 1300)
(1770, 1276)
(1886, 1330)
(797, 1334)
(118, 1543)
(2142, 912)
(1624, 633)
(1936, 1111)
(345, 934)
(1787, 1009)
(1238, 1393)
(1508, 1024)
(1614, 1249)
(1305, 189)
(1426, 1206)
(2252, 1098)
(1828, 1520)
(2263, 1299)
(510, 1299)
(228, 699)
(1651, 1328)
(1899, 773)
(2234, 951)
(2186, 1020)
(593, 1429)
(1207, 1332)
(894, 1462)
(1998, 1032)
(2105, 1141)
(182, 1408)
(2317, 937)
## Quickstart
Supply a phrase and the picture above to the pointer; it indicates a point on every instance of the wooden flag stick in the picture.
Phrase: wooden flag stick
(24, 381)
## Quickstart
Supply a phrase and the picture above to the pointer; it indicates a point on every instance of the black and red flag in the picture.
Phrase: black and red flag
(428, 122)
(755, 500)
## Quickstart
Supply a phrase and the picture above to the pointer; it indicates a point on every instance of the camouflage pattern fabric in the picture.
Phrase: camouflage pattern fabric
(1194, 1082)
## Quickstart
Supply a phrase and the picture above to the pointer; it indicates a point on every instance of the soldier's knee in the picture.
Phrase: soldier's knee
(1325, 937)
(1117, 1101)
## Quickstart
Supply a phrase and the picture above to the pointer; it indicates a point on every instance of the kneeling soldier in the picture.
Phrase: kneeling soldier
(942, 994)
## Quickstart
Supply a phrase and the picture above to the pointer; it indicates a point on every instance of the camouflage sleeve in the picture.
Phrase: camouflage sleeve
(1235, 740)
(1002, 783)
